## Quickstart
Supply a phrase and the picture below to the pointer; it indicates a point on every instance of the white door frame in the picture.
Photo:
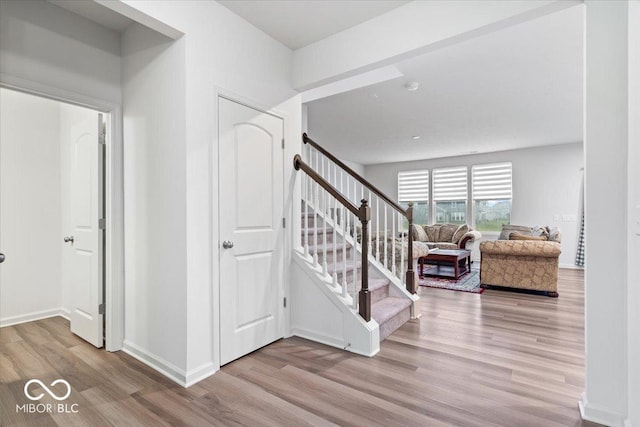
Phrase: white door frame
(114, 198)
(215, 216)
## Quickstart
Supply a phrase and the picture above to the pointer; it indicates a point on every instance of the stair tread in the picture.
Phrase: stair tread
(387, 308)
(320, 230)
(330, 245)
(350, 265)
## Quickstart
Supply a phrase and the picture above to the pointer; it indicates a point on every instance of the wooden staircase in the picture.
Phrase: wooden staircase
(390, 308)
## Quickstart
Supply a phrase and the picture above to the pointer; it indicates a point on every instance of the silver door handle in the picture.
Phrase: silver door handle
(227, 244)
(68, 239)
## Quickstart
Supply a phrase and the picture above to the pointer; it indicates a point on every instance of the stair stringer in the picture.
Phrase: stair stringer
(320, 313)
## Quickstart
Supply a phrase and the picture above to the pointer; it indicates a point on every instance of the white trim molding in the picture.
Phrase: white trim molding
(32, 317)
(600, 415)
(168, 369)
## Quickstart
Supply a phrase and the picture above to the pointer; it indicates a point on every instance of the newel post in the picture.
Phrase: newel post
(411, 278)
(364, 297)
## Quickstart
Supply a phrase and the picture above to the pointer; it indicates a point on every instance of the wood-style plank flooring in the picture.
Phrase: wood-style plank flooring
(500, 358)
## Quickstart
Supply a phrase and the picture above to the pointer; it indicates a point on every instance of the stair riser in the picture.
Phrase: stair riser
(379, 294)
(319, 238)
(329, 256)
(394, 323)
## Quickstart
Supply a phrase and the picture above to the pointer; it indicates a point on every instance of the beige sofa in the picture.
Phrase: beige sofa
(520, 264)
(446, 236)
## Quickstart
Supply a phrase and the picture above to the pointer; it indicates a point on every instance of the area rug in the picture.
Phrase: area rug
(470, 282)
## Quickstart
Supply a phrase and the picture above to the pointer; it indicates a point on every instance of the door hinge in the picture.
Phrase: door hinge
(283, 143)
(101, 309)
(101, 224)
(284, 223)
(102, 138)
(284, 302)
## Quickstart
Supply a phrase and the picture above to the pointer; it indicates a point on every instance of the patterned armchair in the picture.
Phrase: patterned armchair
(521, 264)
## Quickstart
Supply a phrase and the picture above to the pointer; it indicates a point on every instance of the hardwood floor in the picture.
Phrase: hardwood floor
(500, 358)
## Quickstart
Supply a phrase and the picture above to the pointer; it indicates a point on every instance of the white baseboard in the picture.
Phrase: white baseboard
(169, 370)
(65, 314)
(198, 374)
(318, 337)
(571, 266)
(36, 315)
(598, 415)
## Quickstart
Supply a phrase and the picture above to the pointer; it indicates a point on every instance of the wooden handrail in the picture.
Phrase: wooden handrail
(410, 278)
(298, 164)
(354, 174)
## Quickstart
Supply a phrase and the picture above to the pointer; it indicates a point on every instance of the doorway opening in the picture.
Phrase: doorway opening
(52, 213)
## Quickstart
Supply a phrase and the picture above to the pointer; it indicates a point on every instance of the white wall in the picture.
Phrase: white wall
(155, 186)
(221, 52)
(606, 199)
(30, 207)
(45, 44)
(633, 300)
(546, 181)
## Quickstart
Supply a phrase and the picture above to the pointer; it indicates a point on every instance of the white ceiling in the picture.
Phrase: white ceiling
(298, 23)
(514, 88)
(96, 13)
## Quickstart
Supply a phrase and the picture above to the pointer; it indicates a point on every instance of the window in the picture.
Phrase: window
(450, 195)
(491, 189)
(413, 186)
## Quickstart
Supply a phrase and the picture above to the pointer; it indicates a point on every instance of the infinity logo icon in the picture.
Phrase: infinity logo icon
(51, 393)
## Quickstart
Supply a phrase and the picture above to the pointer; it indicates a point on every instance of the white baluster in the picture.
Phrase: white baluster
(324, 230)
(335, 243)
(305, 191)
(370, 226)
(378, 228)
(355, 260)
(402, 275)
(344, 252)
(393, 241)
(386, 244)
(315, 216)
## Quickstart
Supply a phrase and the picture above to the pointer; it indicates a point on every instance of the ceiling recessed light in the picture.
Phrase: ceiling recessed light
(412, 86)
(415, 137)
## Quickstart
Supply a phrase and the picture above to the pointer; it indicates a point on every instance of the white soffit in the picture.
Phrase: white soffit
(513, 88)
(351, 83)
(96, 13)
(298, 23)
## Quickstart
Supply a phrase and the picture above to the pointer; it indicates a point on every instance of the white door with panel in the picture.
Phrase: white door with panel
(251, 229)
(85, 265)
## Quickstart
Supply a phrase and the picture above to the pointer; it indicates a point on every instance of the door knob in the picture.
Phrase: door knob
(1, 258)
(227, 244)
(68, 239)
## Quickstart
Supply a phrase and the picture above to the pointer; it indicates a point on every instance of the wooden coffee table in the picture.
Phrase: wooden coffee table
(449, 263)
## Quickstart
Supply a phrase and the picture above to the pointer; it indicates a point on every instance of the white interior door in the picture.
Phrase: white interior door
(86, 238)
(251, 212)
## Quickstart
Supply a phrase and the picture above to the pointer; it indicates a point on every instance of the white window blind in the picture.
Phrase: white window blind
(491, 182)
(450, 184)
(413, 186)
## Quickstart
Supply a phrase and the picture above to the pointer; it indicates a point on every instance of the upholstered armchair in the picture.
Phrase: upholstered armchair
(521, 264)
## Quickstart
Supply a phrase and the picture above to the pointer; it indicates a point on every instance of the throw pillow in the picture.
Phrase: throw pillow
(461, 231)
(508, 229)
(446, 232)
(540, 231)
(419, 235)
(554, 234)
(433, 232)
(517, 236)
